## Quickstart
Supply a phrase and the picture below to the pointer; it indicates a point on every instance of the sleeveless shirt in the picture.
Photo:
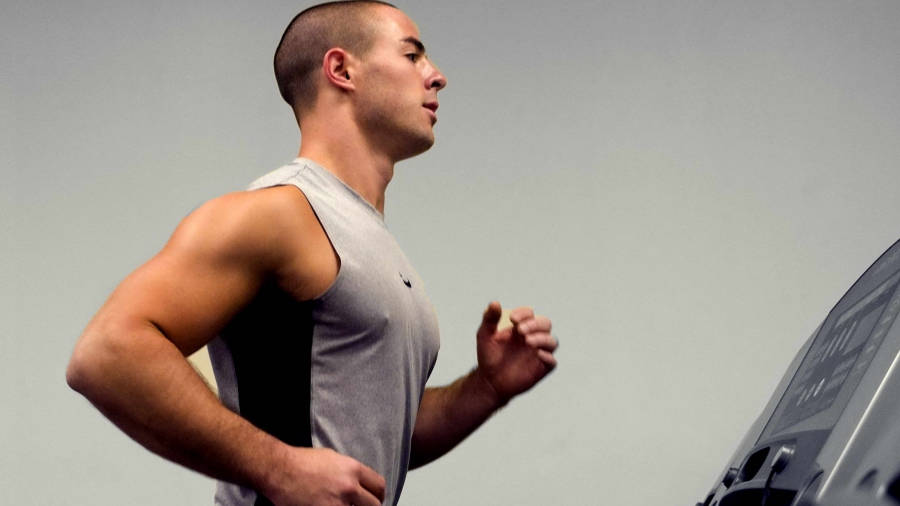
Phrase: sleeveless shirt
(346, 370)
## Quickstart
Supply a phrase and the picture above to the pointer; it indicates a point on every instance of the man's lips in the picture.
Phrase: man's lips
(432, 108)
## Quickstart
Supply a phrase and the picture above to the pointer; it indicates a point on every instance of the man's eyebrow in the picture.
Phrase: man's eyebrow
(416, 42)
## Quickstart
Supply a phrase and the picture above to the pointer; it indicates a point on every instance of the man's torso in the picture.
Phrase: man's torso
(345, 370)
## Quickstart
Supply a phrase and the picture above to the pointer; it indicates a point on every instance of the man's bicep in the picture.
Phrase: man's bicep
(211, 267)
(188, 301)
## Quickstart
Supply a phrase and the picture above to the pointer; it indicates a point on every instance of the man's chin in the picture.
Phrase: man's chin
(417, 146)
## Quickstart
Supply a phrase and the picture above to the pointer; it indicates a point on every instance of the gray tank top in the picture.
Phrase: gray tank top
(346, 370)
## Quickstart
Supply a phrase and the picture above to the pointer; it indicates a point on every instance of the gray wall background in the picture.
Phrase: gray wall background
(686, 188)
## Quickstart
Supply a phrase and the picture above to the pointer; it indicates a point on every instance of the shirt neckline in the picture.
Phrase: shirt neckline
(338, 182)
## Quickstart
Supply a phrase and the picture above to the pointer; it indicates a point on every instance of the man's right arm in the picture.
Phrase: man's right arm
(130, 360)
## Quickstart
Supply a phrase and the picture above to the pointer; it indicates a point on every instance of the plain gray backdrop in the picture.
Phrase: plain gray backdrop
(684, 187)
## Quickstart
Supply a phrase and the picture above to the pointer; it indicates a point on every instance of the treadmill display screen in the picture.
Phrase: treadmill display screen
(835, 363)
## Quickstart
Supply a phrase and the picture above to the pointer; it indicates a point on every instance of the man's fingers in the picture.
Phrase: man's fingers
(534, 324)
(520, 314)
(542, 341)
(547, 358)
(365, 498)
(373, 482)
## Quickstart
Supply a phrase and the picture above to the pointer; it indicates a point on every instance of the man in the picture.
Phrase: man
(319, 330)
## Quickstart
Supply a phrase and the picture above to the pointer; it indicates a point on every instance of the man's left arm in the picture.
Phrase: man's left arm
(510, 361)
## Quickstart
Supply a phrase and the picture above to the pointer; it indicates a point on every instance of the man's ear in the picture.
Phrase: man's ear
(338, 66)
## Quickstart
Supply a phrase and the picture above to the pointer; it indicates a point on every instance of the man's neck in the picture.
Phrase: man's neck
(349, 157)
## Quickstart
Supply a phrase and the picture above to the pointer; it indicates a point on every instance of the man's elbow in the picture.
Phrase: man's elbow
(94, 359)
(82, 372)
(74, 375)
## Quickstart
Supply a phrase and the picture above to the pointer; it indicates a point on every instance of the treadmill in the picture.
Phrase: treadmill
(830, 434)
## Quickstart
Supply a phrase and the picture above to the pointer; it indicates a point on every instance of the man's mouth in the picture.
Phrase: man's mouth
(432, 106)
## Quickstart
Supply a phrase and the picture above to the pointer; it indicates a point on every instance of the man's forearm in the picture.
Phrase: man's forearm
(144, 385)
(448, 414)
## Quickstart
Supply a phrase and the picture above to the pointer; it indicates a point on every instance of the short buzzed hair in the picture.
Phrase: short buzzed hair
(345, 24)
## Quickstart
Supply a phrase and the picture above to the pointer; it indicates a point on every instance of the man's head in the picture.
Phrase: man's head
(349, 25)
(360, 66)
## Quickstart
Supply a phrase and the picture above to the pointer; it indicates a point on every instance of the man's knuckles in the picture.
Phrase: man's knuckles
(542, 341)
(520, 314)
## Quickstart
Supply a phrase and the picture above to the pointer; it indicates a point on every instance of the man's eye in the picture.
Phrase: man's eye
(413, 57)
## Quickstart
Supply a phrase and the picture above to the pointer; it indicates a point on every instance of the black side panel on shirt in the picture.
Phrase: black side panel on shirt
(271, 344)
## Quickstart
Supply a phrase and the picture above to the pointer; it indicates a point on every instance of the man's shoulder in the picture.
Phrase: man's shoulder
(247, 222)
(272, 205)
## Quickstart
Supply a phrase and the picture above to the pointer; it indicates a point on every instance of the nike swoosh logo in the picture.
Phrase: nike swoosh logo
(405, 281)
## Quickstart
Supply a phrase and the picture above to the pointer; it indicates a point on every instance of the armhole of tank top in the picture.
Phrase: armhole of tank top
(339, 277)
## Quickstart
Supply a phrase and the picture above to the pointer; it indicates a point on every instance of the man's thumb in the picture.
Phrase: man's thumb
(491, 319)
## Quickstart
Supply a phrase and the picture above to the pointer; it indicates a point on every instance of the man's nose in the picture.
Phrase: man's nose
(436, 79)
